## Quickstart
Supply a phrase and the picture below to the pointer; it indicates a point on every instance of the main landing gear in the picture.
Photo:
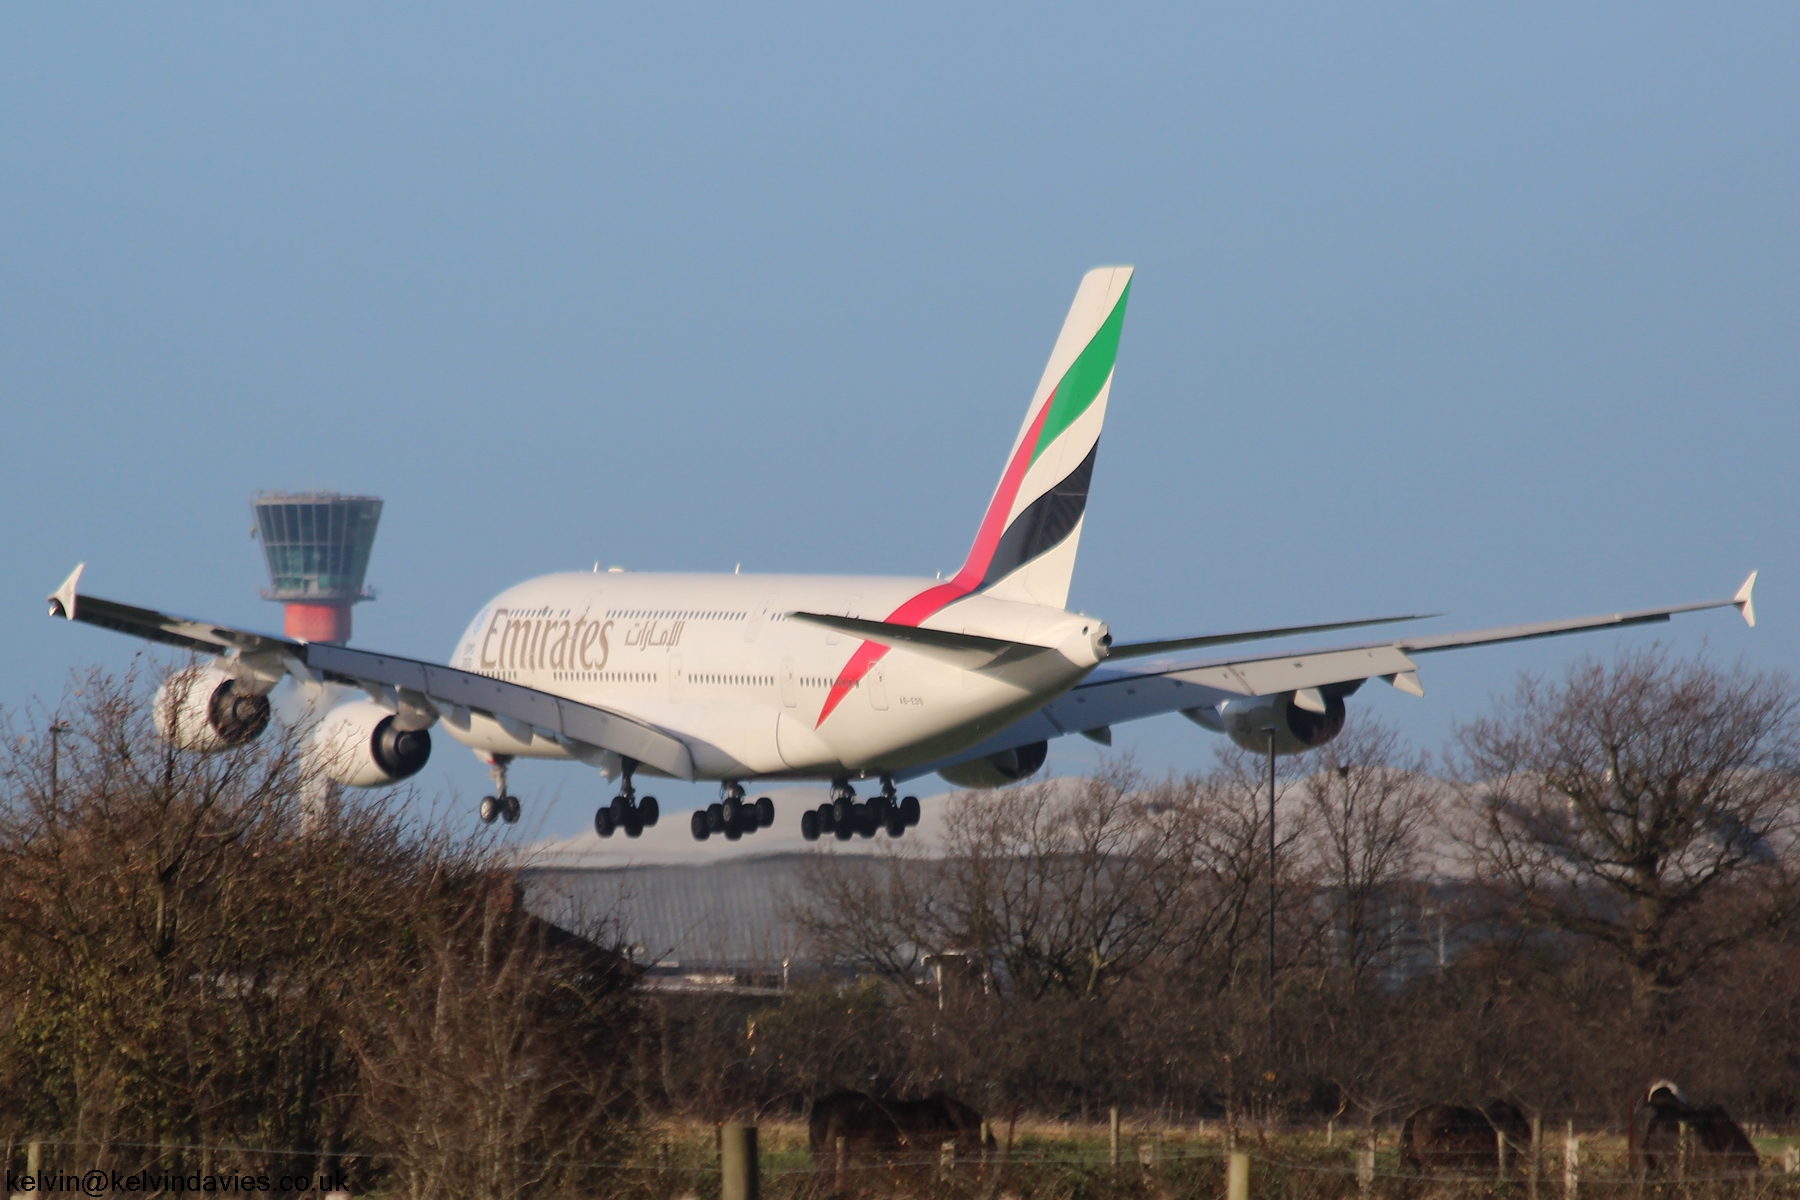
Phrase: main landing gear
(844, 816)
(499, 806)
(733, 815)
(626, 811)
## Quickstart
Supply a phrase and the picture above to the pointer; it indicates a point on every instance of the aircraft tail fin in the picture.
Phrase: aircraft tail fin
(1025, 548)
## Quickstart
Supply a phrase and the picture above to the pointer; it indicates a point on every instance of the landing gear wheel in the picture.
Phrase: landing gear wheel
(648, 811)
(843, 811)
(866, 821)
(896, 825)
(733, 809)
(715, 817)
(879, 808)
(843, 830)
(489, 810)
(699, 826)
(765, 811)
(827, 819)
(603, 822)
(909, 810)
(809, 826)
(620, 806)
(733, 832)
(510, 809)
(633, 826)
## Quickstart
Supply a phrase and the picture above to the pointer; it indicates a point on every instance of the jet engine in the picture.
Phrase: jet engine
(360, 744)
(207, 710)
(1249, 721)
(998, 770)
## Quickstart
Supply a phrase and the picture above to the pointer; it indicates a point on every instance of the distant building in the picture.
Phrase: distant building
(317, 545)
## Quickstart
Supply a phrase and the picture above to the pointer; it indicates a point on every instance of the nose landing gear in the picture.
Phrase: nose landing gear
(626, 811)
(500, 806)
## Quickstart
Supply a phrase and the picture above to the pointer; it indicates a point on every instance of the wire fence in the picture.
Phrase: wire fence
(1073, 1163)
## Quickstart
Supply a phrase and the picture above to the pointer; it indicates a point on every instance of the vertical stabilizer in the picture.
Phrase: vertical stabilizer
(1025, 549)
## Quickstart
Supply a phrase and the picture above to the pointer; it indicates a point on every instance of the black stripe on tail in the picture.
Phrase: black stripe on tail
(1045, 522)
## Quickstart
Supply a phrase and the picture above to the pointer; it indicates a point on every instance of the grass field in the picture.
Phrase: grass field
(1064, 1161)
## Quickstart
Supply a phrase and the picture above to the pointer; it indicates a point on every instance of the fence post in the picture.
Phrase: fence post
(1330, 1132)
(1113, 1153)
(738, 1176)
(1237, 1176)
(1500, 1152)
(946, 1160)
(1790, 1159)
(1571, 1163)
(34, 1157)
(1536, 1166)
(1365, 1166)
(843, 1157)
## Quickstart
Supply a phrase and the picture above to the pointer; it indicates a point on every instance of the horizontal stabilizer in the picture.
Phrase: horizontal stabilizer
(965, 650)
(1175, 645)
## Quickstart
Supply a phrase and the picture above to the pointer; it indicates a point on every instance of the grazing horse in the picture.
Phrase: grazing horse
(1716, 1146)
(1453, 1137)
(876, 1130)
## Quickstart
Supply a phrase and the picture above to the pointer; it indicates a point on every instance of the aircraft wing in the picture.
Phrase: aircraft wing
(391, 680)
(1112, 695)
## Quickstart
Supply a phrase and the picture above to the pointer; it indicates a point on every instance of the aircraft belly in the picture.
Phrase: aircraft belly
(928, 719)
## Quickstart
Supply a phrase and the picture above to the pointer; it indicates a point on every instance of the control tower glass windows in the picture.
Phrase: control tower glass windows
(317, 545)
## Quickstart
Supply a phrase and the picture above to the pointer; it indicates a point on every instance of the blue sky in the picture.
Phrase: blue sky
(1482, 309)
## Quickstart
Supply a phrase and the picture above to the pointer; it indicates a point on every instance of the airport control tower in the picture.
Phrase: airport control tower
(317, 544)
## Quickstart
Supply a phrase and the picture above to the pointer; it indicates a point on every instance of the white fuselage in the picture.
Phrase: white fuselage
(715, 660)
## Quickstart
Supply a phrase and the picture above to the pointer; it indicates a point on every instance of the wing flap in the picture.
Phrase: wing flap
(1175, 645)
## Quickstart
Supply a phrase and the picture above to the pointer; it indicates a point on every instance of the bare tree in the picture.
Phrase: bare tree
(1648, 807)
(1372, 810)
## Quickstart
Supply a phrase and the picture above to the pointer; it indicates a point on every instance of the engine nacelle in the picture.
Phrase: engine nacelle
(1297, 730)
(998, 770)
(359, 744)
(207, 710)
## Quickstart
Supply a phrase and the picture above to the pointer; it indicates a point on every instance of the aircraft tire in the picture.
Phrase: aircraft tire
(715, 817)
(734, 811)
(843, 811)
(909, 810)
(633, 827)
(510, 809)
(827, 819)
(842, 831)
(896, 825)
(620, 806)
(699, 826)
(648, 811)
(765, 811)
(603, 822)
(733, 833)
(809, 826)
(489, 810)
(866, 820)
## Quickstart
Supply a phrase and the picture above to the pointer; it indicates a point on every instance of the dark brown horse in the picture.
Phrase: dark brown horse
(1715, 1144)
(1455, 1138)
(877, 1130)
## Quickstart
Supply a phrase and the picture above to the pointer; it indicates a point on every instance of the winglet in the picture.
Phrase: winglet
(62, 600)
(1743, 601)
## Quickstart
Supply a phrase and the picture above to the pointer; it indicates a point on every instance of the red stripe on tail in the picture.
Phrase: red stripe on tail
(974, 568)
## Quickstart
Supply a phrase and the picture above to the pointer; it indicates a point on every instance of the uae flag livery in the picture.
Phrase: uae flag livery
(1025, 548)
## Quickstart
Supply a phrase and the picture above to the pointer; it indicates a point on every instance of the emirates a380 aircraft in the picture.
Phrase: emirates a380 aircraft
(845, 679)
